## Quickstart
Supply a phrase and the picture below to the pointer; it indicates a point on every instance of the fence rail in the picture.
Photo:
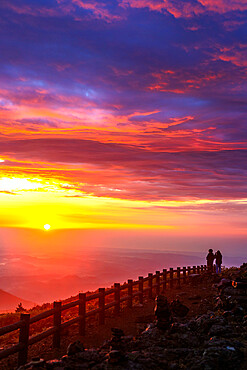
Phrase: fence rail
(165, 279)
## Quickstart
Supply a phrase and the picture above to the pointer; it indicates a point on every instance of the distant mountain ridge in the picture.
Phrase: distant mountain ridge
(9, 302)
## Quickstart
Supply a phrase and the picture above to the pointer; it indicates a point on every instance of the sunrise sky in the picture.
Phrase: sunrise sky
(124, 114)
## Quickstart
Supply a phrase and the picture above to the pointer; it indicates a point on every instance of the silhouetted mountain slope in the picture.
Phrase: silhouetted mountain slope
(8, 302)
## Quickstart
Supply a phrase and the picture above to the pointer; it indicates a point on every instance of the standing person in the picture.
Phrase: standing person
(210, 259)
(218, 257)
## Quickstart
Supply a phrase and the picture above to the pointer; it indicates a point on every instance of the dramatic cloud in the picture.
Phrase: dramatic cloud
(127, 99)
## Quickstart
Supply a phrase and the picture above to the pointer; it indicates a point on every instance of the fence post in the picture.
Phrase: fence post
(23, 338)
(57, 323)
(194, 269)
(150, 285)
(202, 268)
(141, 289)
(189, 271)
(157, 281)
(178, 276)
(117, 298)
(130, 292)
(82, 313)
(102, 306)
(164, 279)
(171, 277)
(198, 270)
(184, 274)
(205, 267)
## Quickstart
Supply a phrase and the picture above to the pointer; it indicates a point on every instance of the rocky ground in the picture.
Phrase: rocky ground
(204, 331)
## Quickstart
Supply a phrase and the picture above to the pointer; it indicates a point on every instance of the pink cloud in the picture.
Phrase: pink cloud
(187, 9)
(237, 55)
(127, 172)
(177, 9)
(222, 6)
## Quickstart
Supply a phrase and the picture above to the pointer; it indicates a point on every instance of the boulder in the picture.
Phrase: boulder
(162, 312)
(74, 348)
(179, 309)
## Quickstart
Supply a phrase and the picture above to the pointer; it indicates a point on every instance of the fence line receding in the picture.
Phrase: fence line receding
(130, 292)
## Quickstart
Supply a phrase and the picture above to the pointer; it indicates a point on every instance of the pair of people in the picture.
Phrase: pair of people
(210, 260)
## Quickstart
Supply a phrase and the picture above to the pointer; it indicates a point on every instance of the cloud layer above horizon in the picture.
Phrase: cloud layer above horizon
(141, 100)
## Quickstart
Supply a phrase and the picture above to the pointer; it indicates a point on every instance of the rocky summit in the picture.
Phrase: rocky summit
(215, 339)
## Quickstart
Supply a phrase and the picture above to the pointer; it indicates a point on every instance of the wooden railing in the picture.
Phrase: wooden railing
(134, 290)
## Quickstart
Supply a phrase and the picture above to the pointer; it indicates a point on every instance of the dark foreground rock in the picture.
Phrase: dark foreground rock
(212, 341)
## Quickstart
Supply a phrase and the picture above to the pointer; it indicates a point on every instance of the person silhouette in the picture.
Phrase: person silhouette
(218, 260)
(210, 259)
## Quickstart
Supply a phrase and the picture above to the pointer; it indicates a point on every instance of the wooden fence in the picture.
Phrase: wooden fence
(126, 292)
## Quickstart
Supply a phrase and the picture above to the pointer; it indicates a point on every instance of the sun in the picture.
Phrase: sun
(47, 227)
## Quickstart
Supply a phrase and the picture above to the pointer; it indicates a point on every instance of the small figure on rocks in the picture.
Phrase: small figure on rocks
(210, 260)
(218, 260)
(162, 312)
(178, 308)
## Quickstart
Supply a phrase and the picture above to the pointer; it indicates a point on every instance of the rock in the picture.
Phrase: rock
(238, 311)
(218, 330)
(134, 355)
(230, 291)
(162, 312)
(75, 348)
(195, 298)
(115, 357)
(54, 364)
(116, 332)
(224, 283)
(222, 357)
(35, 363)
(179, 328)
(219, 303)
(178, 308)
(227, 314)
(116, 342)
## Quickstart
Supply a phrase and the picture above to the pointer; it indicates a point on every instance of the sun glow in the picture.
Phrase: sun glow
(47, 227)
(18, 184)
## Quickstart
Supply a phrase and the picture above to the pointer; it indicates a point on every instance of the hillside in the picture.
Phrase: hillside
(213, 329)
(210, 335)
(9, 302)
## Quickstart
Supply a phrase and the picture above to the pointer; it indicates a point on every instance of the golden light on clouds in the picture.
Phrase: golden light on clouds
(17, 184)
(39, 203)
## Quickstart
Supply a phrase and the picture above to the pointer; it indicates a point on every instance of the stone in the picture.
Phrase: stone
(162, 312)
(224, 283)
(74, 348)
(227, 314)
(117, 332)
(195, 298)
(238, 311)
(116, 342)
(223, 357)
(35, 363)
(179, 309)
(115, 357)
(54, 364)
